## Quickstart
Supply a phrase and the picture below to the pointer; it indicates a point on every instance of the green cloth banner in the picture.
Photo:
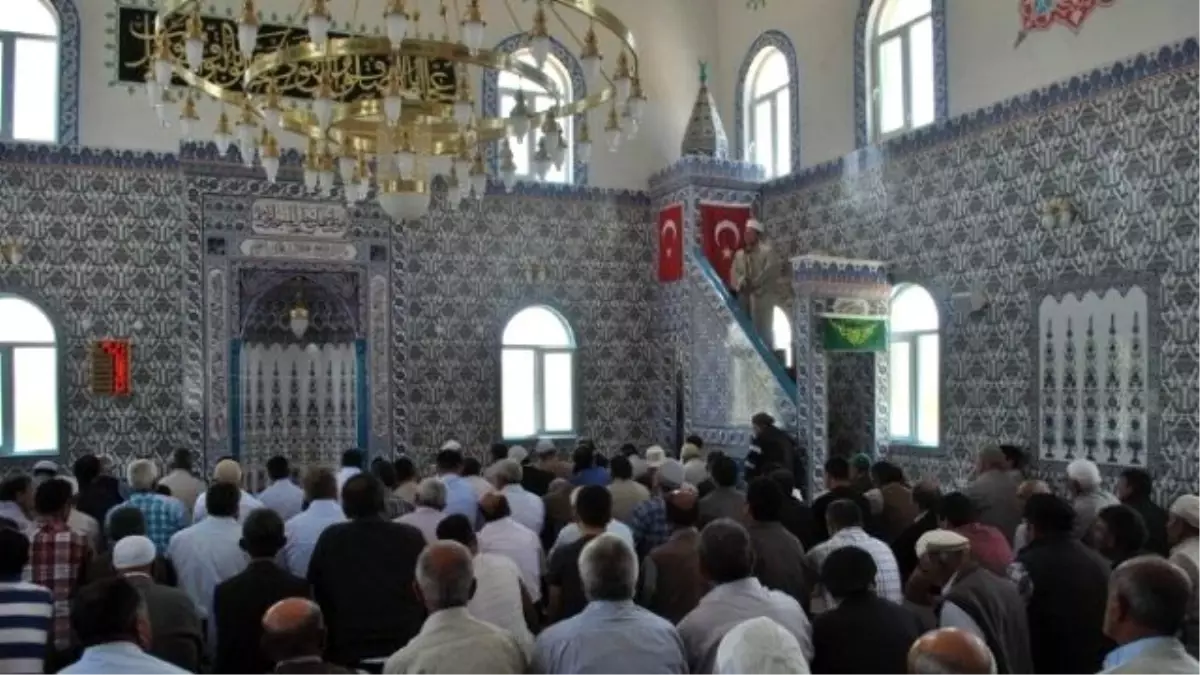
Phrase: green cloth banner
(854, 335)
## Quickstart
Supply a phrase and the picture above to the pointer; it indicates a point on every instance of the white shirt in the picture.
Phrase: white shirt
(519, 544)
(452, 641)
(424, 519)
(81, 523)
(283, 497)
(245, 506)
(480, 485)
(206, 554)
(304, 529)
(527, 508)
(570, 534)
(497, 598)
(344, 474)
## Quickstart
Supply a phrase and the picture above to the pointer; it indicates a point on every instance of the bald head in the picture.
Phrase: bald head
(1030, 488)
(445, 575)
(293, 628)
(950, 650)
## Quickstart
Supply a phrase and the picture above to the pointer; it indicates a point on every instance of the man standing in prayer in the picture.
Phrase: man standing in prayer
(503, 535)
(451, 640)
(611, 634)
(1135, 489)
(626, 492)
(164, 515)
(527, 508)
(352, 465)
(977, 600)
(779, 555)
(294, 637)
(460, 495)
(57, 557)
(994, 492)
(1088, 496)
(648, 522)
(844, 519)
(406, 480)
(1183, 535)
(725, 501)
(593, 513)
(28, 609)
(176, 631)
(228, 472)
(542, 470)
(727, 561)
(758, 278)
(304, 529)
(1147, 603)
(362, 577)
(111, 622)
(282, 496)
(988, 545)
(671, 584)
(183, 484)
(430, 502)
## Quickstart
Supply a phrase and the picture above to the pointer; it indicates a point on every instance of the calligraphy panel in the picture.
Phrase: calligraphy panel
(353, 77)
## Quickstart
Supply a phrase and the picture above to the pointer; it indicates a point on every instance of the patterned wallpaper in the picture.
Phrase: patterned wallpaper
(956, 208)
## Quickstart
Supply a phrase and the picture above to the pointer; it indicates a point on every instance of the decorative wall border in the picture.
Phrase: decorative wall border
(490, 97)
(778, 40)
(867, 9)
(69, 44)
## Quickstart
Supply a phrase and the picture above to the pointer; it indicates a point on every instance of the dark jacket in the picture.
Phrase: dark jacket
(821, 529)
(994, 604)
(176, 632)
(536, 480)
(779, 560)
(994, 494)
(864, 634)
(239, 603)
(1065, 589)
(905, 546)
(98, 497)
(313, 667)
(1155, 518)
(898, 510)
(723, 502)
(677, 584)
(776, 448)
(370, 607)
(797, 518)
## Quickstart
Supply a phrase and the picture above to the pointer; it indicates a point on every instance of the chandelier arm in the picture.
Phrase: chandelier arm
(578, 42)
(592, 10)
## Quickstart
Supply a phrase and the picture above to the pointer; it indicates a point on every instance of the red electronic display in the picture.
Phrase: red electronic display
(111, 375)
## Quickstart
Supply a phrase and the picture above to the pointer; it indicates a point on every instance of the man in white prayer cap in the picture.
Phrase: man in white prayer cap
(977, 600)
(759, 279)
(174, 622)
(760, 645)
(1183, 533)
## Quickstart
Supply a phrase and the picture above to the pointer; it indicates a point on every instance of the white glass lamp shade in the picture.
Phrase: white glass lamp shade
(637, 107)
(318, 29)
(223, 141)
(591, 67)
(326, 182)
(624, 85)
(583, 151)
(479, 184)
(539, 47)
(413, 205)
(312, 179)
(462, 112)
(247, 38)
(541, 166)
(392, 107)
(551, 138)
(397, 27)
(390, 203)
(613, 138)
(406, 161)
(323, 109)
(508, 175)
(298, 321)
(248, 153)
(520, 126)
(185, 127)
(271, 166)
(272, 116)
(439, 165)
(195, 53)
(153, 92)
(346, 170)
(246, 135)
(166, 111)
(472, 34)
(558, 155)
(162, 72)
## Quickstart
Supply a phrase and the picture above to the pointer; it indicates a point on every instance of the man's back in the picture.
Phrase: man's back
(176, 632)
(723, 502)
(184, 486)
(238, 606)
(838, 636)
(728, 605)
(994, 494)
(204, 555)
(610, 637)
(820, 527)
(303, 531)
(452, 641)
(27, 609)
(779, 560)
(362, 577)
(1158, 655)
(57, 560)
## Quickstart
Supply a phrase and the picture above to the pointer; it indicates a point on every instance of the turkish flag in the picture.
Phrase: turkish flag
(670, 243)
(722, 227)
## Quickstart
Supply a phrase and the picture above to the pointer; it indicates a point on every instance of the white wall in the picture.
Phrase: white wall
(666, 34)
(983, 66)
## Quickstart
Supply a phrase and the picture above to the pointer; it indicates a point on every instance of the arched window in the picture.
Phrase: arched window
(538, 100)
(768, 113)
(781, 335)
(914, 355)
(28, 72)
(28, 379)
(902, 66)
(537, 373)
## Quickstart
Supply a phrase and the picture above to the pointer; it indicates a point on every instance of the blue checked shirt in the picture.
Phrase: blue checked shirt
(164, 516)
(649, 524)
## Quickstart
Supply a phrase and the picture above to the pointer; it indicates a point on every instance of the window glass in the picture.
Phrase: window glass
(781, 334)
(517, 395)
(34, 117)
(920, 44)
(896, 13)
(927, 389)
(891, 85)
(537, 327)
(764, 135)
(783, 117)
(35, 399)
(772, 73)
(913, 309)
(22, 321)
(32, 17)
(538, 375)
(558, 379)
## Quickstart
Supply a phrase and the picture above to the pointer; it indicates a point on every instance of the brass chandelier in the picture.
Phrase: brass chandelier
(385, 113)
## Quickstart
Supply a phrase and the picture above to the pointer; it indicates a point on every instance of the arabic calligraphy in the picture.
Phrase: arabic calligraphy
(351, 77)
(290, 218)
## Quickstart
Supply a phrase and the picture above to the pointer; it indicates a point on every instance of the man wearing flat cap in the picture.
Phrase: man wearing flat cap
(976, 600)
(759, 279)
(1183, 533)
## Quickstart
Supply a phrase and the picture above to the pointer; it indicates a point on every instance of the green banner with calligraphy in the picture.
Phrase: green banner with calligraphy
(847, 334)
(355, 76)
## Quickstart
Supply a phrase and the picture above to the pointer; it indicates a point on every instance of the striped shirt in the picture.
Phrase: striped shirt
(25, 613)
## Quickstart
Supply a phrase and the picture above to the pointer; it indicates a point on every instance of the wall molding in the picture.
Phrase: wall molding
(777, 40)
(69, 44)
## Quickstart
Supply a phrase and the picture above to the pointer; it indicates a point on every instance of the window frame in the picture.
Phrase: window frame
(558, 73)
(8, 78)
(774, 98)
(912, 338)
(7, 387)
(876, 39)
(540, 352)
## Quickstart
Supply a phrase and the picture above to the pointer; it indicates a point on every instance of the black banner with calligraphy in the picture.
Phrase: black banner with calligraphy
(353, 77)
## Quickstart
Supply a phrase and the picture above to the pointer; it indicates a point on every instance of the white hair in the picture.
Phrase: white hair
(608, 569)
(141, 474)
(446, 582)
(508, 471)
(431, 492)
(760, 645)
(1085, 473)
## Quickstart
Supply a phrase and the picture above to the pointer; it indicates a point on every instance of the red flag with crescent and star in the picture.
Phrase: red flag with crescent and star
(722, 227)
(670, 243)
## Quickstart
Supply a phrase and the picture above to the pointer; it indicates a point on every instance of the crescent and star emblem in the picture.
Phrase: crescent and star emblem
(727, 251)
(674, 229)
